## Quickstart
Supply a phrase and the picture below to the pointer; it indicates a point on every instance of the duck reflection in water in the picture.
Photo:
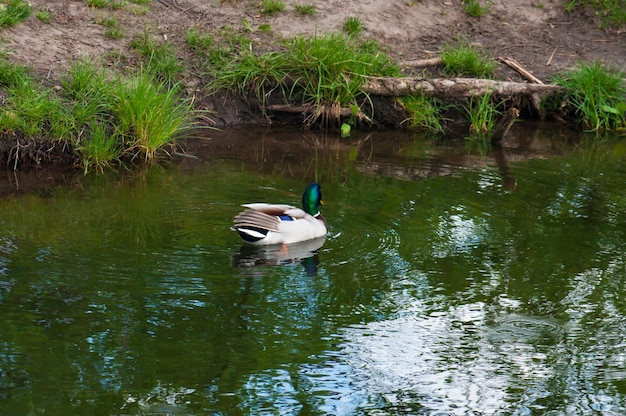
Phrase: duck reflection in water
(306, 253)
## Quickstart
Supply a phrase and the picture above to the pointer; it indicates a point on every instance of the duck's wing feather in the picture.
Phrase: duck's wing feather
(273, 223)
(270, 209)
(296, 213)
(257, 219)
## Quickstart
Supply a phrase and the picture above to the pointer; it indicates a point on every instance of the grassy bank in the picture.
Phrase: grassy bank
(131, 112)
(106, 118)
(323, 72)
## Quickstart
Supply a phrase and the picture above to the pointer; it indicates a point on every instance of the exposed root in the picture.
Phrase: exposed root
(17, 152)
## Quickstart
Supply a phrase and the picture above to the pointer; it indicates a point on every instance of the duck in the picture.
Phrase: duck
(264, 224)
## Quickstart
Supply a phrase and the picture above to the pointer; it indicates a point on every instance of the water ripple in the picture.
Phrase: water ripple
(454, 362)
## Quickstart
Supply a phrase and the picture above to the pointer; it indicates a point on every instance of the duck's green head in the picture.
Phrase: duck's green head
(312, 199)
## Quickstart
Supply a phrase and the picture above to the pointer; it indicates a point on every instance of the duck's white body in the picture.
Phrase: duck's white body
(265, 224)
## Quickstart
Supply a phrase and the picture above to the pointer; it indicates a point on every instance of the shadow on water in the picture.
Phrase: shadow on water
(397, 154)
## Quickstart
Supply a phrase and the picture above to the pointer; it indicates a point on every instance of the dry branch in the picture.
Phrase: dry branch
(520, 70)
(304, 109)
(422, 63)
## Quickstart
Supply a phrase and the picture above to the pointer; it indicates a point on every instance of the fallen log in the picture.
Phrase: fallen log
(452, 87)
(447, 88)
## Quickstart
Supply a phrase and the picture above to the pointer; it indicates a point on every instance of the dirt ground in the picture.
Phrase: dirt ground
(540, 35)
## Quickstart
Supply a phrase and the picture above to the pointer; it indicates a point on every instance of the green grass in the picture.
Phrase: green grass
(466, 60)
(43, 15)
(271, 7)
(210, 51)
(198, 41)
(85, 81)
(112, 29)
(101, 151)
(114, 32)
(353, 25)
(14, 11)
(117, 4)
(474, 8)
(138, 7)
(138, 10)
(611, 12)
(331, 68)
(160, 57)
(305, 9)
(149, 114)
(325, 71)
(11, 73)
(98, 4)
(482, 114)
(28, 107)
(424, 113)
(598, 96)
(105, 118)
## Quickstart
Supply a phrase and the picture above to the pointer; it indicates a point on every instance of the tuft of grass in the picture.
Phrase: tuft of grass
(482, 114)
(98, 4)
(261, 73)
(111, 25)
(198, 42)
(100, 150)
(332, 68)
(597, 94)
(14, 11)
(28, 106)
(43, 16)
(118, 4)
(464, 59)
(305, 9)
(161, 57)
(353, 25)
(325, 72)
(208, 49)
(271, 7)
(149, 114)
(85, 81)
(114, 32)
(611, 12)
(137, 10)
(33, 106)
(103, 117)
(265, 28)
(11, 74)
(425, 112)
(474, 8)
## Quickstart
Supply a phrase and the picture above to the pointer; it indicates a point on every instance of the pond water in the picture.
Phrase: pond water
(456, 279)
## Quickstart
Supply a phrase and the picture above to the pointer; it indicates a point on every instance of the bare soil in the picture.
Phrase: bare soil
(531, 31)
(540, 35)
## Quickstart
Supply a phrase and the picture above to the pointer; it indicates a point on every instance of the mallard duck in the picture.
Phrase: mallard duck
(265, 224)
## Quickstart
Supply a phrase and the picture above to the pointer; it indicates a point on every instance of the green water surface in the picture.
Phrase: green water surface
(454, 280)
